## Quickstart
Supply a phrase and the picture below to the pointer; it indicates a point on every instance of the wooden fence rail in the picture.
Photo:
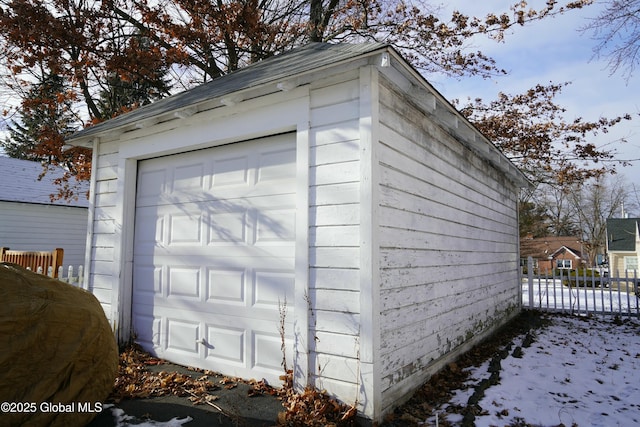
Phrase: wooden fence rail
(42, 262)
(34, 259)
(585, 292)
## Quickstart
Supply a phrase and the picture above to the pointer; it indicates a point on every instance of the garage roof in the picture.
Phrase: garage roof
(280, 69)
(275, 69)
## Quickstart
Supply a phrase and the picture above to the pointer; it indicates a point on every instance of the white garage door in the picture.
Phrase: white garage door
(214, 256)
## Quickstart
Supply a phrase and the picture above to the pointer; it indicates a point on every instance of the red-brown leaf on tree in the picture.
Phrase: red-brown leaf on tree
(96, 45)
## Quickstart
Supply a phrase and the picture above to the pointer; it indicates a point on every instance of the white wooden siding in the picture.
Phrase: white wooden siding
(334, 220)
(35, 227)
(448, 244)
(101, 274)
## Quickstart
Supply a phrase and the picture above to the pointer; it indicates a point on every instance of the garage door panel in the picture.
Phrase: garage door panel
(272, 288)
(194, 224)
(188, 177)
(227, 227)
(151, 184)
(232, 171)
(275, 225)
(184, 282)
(225, 344)
(268, 351)
(148, 279)
(149, 230)
(226, 286)
(214, 256)
(266, 287)
(278, 164)
(185, 228)
(183, 335)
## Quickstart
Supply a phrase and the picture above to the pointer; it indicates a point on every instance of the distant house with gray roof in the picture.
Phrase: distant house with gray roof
(31, 221)
(623, 245)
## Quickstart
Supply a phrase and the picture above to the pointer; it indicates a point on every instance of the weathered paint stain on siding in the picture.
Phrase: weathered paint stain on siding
(448, 244)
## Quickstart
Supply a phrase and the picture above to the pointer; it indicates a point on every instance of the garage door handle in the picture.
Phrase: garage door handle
(201, 341)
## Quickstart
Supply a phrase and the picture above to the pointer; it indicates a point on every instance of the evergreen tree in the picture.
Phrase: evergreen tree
(534, 220)
(45, 119)
(127, 88)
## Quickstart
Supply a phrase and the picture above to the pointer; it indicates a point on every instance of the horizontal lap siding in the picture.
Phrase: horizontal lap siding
(448, 244)
(35, 227)
(334, 230)
(102, 274)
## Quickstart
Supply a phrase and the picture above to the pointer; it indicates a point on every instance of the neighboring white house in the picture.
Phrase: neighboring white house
(31, 221)
(330, 187)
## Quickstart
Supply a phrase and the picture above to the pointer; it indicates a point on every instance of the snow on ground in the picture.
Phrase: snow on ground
(123, 420)
(579, 371)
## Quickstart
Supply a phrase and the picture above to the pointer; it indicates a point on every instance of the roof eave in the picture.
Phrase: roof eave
(281, 82)
(466, 132)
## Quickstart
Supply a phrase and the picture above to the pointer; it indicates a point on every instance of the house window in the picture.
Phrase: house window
(630, 263)
(563, 263)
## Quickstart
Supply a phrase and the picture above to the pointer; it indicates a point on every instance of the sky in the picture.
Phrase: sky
(553, 50)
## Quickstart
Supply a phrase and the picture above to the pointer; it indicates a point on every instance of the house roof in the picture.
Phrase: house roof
(20, 183)
(621, 233)
(546, 247)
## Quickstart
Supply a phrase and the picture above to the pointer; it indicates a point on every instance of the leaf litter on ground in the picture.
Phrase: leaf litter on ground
(309, 407)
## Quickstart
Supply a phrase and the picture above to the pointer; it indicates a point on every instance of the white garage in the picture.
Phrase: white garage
(332, 177)
(214, 251)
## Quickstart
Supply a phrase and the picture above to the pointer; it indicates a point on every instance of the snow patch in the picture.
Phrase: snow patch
(580, 371)
(123, 420)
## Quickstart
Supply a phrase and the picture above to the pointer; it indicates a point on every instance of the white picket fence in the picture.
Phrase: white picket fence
(575, 292)
(76, 278)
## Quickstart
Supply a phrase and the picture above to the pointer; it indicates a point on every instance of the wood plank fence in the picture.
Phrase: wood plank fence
(44, 262)
(582, 291)
(34, 259)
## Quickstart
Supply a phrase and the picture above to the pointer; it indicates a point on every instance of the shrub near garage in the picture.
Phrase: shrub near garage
(581, 278)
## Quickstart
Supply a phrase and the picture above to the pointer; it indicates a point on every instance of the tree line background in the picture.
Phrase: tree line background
(68, 64)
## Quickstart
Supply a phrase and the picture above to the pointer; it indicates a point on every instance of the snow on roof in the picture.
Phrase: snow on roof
(20, 183)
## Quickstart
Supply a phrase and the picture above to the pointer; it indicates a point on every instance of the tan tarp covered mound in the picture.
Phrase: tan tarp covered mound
(58, 354)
